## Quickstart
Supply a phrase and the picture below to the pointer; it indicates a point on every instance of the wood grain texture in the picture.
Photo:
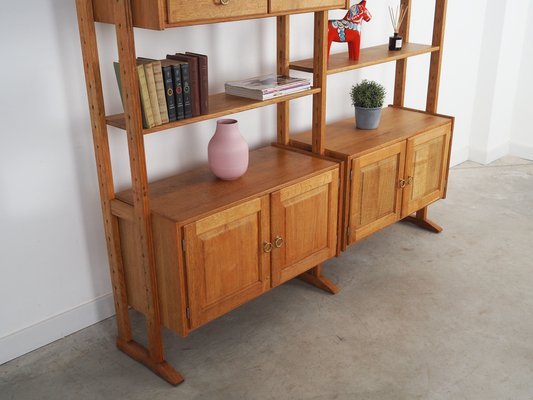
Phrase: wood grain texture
(192, 195)
(376, 194)
(315, 278)
(426, 163)
(397, 124)
(93, 81)
(141, 204)
(219, 105)
(204, 10)
(304, 225)
(139, 353)
(320, 81)
(172, 287)
(369, 56)
(225, 261)
(283, 52)
(401, 65)
(439, 25)
(279, 6)
(150, 14)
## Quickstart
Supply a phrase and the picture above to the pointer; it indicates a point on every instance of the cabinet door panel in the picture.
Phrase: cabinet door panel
(426, 162)
(304, 216)
(225, 262)
(302, 5)
(375, 191)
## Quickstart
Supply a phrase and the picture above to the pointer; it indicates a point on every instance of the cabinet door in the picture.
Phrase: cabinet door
(304, 225)
(303, 5)
(375, 200)
(226, 264)
(425, 169)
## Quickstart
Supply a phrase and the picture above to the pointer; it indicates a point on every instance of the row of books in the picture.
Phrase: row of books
(267, 86)
(171, 89)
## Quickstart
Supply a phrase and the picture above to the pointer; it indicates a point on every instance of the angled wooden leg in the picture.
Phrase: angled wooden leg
(315, 278)
(140, 354)
(422, 221)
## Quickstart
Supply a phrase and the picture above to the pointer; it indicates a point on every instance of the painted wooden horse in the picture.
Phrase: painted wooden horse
(348, 30)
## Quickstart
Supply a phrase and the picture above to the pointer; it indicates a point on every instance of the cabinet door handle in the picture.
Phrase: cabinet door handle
(224, 2)
(267, 247)
(278, 242)
(410, 180)
(402, 183)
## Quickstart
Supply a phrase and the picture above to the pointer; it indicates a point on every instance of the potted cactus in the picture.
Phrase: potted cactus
(367, 98)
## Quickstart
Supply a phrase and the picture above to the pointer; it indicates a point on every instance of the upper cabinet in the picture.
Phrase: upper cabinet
(161, 14)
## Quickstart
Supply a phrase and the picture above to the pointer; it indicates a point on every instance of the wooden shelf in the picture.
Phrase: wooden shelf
(219, 105)
(370, 56)
(397, 124)
(197, 193)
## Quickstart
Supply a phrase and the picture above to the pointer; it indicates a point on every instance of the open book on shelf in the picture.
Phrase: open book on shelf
(267, 86)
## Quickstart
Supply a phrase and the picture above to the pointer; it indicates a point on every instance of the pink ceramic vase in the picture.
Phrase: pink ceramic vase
(227, 151)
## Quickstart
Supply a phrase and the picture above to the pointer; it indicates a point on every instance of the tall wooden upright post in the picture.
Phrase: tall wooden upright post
(283, 59)
(401, 65)
(439, 24)
(320, 74)
(95, 96)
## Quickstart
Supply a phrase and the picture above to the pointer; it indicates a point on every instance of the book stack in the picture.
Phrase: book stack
(267, 86)
(171, 89)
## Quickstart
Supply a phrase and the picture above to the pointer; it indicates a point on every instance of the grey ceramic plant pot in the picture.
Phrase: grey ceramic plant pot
(367, 118)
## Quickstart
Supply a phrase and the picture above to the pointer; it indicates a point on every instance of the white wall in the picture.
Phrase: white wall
(53, 274)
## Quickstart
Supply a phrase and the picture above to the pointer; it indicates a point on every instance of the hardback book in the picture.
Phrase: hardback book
(148, 118)
(160, 87)
(194, 80)
(168, 81)
(267, 86)
(152, 90)
(203, 74)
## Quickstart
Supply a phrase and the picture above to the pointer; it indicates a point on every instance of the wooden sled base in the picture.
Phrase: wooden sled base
(315, 278)
(140, 354)
(421, 220)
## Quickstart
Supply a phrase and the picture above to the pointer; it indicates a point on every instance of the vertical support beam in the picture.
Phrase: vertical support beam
(320, 67)
(95, 96)
(401, 65)
(139, 177)
(439, 25)
(283, 59)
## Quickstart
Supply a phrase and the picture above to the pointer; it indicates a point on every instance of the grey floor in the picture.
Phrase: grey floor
(420, 316)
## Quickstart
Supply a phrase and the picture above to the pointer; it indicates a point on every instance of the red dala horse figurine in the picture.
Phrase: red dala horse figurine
(348, 30)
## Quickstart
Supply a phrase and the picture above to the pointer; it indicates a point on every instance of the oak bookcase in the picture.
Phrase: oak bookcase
(189, 248)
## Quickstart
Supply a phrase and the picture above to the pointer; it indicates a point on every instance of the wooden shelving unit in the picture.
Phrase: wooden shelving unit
(368, 57)
(189, 248)
(220, 105)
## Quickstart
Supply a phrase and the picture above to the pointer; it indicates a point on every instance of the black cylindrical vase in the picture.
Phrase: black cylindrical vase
(395, 42)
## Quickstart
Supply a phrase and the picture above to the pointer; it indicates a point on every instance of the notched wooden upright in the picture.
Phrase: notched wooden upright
(152, 357)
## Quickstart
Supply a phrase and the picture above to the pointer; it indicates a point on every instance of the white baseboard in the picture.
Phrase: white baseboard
(459, 156)
(56, 327)
(521, 150)
(488, 156)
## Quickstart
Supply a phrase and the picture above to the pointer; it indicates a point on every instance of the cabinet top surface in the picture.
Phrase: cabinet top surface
(197, 193)
(344, 140)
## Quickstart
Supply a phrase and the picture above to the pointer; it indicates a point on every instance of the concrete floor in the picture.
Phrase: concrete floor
(419, 316)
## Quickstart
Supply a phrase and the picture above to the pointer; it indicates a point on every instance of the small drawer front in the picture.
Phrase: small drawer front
(278, 6)
(185, 11)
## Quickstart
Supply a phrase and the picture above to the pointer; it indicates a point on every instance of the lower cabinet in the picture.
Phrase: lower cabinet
(391, 183)
(237, 254)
